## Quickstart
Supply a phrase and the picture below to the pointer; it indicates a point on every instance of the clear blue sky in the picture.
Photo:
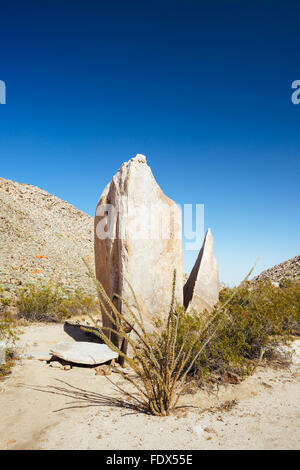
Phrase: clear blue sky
(202, 88)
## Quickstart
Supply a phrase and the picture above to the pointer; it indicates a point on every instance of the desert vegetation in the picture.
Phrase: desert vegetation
(159, 369)
(258, 318)
(8, 334)
(247, 325)
(8, 324)
(51, 302)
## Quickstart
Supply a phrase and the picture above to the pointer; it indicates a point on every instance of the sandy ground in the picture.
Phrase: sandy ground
(264, 410)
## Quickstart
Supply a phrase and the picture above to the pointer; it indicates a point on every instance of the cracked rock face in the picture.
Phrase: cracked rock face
(142, 243)
(201, 290)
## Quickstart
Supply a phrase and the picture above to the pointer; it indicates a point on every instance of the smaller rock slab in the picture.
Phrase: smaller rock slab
(41, 356)
(82, 352)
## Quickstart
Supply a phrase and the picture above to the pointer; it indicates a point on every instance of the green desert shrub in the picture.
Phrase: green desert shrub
(8, 334)
(249, 321)
(159, 366)
(50, 302)
(258, 317)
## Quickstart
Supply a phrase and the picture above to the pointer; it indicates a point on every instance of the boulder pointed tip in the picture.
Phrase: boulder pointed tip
(139, 158)
(201, 290)
(208, 233)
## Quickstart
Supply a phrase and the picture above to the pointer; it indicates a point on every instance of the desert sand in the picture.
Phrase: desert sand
(42, 408)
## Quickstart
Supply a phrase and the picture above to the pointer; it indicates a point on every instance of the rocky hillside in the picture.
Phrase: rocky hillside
(41, 238)
(287, 270)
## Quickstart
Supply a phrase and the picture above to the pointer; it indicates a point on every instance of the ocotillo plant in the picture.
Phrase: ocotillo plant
(160, 369)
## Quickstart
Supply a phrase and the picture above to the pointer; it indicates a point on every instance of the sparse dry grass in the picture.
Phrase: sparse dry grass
(52, 303)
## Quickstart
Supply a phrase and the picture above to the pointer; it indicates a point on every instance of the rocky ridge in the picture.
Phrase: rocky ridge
(42, 237)
(289, 269)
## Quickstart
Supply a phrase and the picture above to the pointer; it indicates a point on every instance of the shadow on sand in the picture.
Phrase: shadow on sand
(84, 398)
(79, 335)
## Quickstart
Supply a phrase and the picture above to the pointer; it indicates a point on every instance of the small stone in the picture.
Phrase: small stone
(231, 378)
(55, 364)
(210, 430)
(43, 356)
(24, 356)
(6, 344)
(197, 429)
(266, 385)
(102, 370)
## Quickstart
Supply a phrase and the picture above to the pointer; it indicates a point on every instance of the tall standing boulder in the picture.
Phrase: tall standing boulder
(138, 239)
(201, 291)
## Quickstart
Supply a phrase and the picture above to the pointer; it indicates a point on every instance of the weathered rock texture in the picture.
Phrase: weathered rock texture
(201, 290)
(289, 269)
(42, 238)
(144, 241)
